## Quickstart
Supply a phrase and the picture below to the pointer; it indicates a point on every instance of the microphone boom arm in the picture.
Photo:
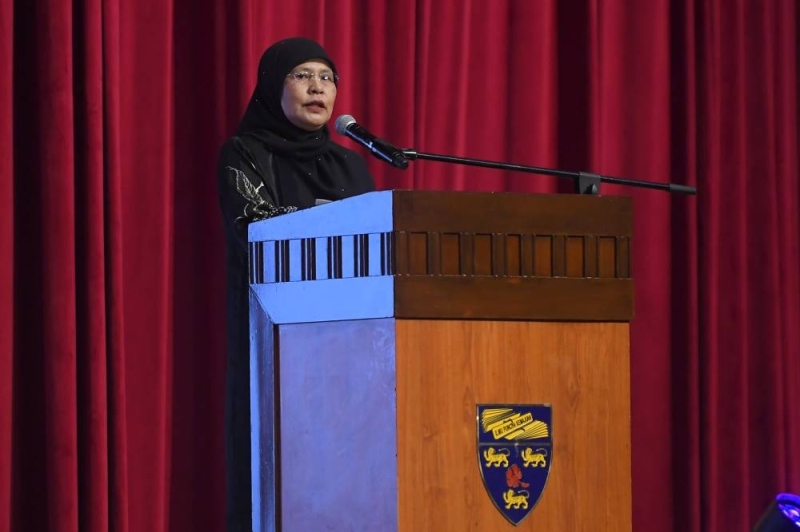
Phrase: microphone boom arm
(585, 182)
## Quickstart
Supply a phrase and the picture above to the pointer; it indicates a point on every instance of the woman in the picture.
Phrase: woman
(281, 160)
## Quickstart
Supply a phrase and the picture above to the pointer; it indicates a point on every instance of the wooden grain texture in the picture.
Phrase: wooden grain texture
(513, 298)
(445, 368)
(477, 212)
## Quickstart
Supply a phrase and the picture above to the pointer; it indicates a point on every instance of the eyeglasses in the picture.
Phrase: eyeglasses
(304, 77)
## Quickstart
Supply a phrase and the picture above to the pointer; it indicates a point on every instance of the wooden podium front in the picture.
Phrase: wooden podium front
(380, 323)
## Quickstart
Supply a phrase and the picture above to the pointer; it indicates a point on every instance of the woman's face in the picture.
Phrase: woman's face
(309, 93)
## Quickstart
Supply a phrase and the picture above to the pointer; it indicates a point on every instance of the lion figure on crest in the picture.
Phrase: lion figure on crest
(516, 499)
(496, 458)
(533, 458)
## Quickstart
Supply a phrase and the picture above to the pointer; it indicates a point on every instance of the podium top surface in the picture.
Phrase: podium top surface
(447, 255)
(445, 211)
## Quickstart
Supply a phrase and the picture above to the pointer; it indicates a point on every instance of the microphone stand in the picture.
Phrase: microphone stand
(585, 182)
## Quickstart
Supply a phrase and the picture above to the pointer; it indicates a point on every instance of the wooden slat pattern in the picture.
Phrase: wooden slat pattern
(499, 258)
(575, 258)
(434, 253)
(513, 258)
(482, 255)
(417, 254)
(440, 255)
(543, 256)
(450, 254)
(559, 256)
(465, 254)
(590, 256)
(526, 256)
(606, 257)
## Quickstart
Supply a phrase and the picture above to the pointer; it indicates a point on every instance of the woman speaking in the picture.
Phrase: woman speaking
(280, 160)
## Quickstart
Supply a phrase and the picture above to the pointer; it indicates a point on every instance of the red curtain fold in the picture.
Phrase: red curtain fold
(111, 284)
(45, 427)
(116, 428)
(7, 261)
(147, 184)
(90, 385)
(748, 301)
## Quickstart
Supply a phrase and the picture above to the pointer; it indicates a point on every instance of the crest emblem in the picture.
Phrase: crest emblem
(515, 449)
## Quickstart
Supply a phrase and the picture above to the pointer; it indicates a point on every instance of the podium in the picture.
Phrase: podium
(380, 323)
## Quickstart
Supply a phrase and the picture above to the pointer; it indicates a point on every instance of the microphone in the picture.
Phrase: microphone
(346, 125)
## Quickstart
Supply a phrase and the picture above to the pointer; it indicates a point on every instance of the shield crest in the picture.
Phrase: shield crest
(515, 450)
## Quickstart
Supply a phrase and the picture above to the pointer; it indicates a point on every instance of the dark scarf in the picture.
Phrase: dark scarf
(308, 165)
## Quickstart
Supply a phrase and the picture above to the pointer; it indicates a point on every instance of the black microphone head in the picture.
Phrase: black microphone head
(343, 122)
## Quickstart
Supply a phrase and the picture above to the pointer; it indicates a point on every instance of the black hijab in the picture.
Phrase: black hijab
(308, 165)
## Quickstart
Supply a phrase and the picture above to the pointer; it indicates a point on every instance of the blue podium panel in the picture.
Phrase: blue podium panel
(338, 433)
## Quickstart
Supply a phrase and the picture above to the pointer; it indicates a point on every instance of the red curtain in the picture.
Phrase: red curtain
(111, 278)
